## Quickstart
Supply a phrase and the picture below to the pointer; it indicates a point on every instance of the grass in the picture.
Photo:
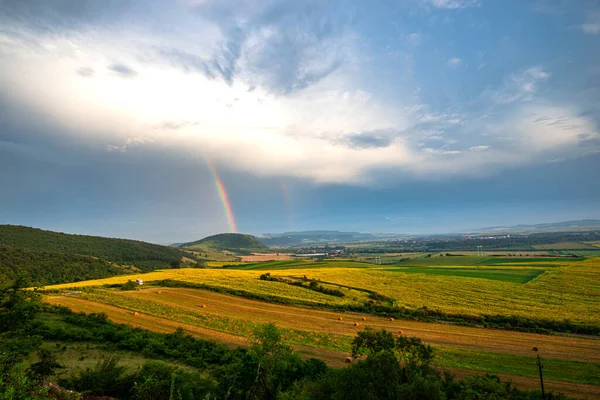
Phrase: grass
(563, 246)
(510, 364)
(79, 356)
(507, 275)
(513, 260)
(436, 260)
(580, 253)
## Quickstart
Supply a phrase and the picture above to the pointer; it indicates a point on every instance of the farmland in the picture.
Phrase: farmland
(515, 275)
(566, 292)
(230, 319)
(229, 301)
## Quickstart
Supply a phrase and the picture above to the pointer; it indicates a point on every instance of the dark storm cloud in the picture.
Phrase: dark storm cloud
(123, 70)
(367, 140)
(52, 16)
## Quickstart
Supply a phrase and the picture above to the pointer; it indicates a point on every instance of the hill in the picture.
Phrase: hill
(45, 257)
(234, 242)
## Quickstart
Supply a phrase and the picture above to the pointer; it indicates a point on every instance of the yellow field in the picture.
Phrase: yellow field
(567, 292)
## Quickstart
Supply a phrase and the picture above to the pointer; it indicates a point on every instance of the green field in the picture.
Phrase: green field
(497, 363)
(438, 261)
(507, 275)
(563, 246)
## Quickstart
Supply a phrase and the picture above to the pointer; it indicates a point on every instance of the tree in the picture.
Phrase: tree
(413, 353)
(45, 367)
(370, 342)
(271, 354)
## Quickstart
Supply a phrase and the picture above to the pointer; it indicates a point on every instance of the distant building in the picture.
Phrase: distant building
(139, 281)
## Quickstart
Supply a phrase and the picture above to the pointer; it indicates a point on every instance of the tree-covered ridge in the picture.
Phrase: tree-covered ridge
(47, 268)
(45, 257)
(116, 250)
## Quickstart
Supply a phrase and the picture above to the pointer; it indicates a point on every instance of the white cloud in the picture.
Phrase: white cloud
(453, 4)
(454, 62)
(128, 143)
(414, 39)
(592, 24)
(245, 124)
(520, 86)
(479, 148)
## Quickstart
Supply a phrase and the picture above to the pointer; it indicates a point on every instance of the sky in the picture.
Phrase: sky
(167, 121)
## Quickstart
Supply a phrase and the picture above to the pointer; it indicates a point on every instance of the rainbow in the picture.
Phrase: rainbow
(223, 197)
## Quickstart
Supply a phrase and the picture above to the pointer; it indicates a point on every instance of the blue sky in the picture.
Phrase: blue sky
(410, 116)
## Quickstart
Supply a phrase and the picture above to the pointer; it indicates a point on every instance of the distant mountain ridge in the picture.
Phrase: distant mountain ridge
(299, 238)
(583, 224)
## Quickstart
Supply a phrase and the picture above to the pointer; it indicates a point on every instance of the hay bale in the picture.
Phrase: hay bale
(356, 324)
(203, 306)
(348, 360)
(364, 318)
(398, 334)
(392, 319)
(340, 319)
(159, 292)
(135, 313)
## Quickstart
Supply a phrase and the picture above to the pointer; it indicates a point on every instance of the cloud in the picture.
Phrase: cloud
(280, 90)
(592, 24)
(284, 46)
(85, 72)
(414, 39)
(128, 143)
(479, 148)
(454, 4)
(367, 140)
(520, 86)
(454, 62)
(174, 125)
(122, 70)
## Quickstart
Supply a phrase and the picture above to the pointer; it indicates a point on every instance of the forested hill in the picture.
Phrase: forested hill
(235, 242)
(45, 257)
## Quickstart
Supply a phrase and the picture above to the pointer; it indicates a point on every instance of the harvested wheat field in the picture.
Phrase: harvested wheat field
(260, 257)
(554, 346)
(233, 309)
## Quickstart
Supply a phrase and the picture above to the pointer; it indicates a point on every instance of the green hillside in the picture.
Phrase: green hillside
(45, 257)
(234, 242)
